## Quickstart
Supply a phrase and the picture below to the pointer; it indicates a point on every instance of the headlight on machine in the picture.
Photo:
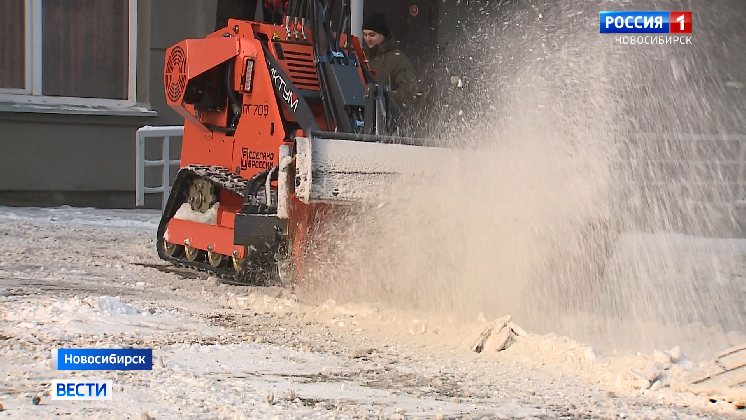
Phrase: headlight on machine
(248, 75)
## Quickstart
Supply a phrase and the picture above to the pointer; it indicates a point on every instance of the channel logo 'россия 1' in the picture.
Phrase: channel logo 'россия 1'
(646, 22)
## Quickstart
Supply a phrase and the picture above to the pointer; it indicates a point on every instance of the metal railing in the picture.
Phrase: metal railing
(143, 134)
(166, 132)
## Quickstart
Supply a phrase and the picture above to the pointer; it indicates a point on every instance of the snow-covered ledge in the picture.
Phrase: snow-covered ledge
(77, 106)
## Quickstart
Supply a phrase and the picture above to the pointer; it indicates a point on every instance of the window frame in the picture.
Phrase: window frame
(32, 93)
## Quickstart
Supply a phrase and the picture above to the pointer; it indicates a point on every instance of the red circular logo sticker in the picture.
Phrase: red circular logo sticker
(414, 10)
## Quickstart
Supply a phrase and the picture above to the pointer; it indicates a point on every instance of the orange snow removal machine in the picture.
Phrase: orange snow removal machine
(281, 122)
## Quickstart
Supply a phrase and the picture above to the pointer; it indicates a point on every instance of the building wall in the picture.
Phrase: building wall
(55, 158)
(52, 157)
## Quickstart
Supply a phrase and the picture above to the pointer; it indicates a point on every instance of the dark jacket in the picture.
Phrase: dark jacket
(393, 68)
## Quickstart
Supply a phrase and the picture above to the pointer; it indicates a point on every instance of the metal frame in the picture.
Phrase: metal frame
(32, 92)
(739, 195)
(357, 18)
(144, 133)
(27, 56)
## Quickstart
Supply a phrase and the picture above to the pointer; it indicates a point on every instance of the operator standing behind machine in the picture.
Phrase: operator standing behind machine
(392, 67)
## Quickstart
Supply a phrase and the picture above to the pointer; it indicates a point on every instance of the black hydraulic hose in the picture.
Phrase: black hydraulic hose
(325, 104)
(322, 28)
(227, 130)
(232, 94)
(319, 64)
(329, 98)
(342, 20)
(299, 12)
(330, 42)
(303, 11)
(230, 128)
(341, 119)
(339, 36)
(294, 13)
(349, 32)
(292, 4)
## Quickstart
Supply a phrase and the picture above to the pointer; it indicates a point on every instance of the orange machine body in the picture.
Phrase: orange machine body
(264, 123)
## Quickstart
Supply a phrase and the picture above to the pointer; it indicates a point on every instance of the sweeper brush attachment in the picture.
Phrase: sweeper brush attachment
(339, 169)
(281, 123)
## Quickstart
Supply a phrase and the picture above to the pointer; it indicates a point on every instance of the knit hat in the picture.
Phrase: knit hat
(377, 23)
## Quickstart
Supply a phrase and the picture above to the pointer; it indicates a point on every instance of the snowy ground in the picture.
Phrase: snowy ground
(88, 278)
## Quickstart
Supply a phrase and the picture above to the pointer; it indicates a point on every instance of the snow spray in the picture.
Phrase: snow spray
(591, 218)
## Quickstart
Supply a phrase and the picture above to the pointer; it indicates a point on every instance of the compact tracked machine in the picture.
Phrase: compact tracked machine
(281, 122)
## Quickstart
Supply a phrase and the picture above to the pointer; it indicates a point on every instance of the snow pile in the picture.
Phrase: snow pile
(115, 306)
(68, 309)
(66, 215)
(667, 375)
(58, 310)
(67, 318)
(661, 369)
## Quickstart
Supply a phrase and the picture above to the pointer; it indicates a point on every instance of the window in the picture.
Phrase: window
(68, 51)
(13, 64)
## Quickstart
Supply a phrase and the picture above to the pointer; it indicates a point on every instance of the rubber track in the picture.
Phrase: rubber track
(222, 178)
